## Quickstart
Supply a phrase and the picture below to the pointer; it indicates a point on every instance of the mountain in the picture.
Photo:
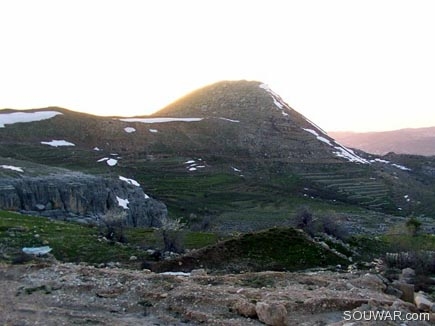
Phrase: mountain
(418, 141)
(233, 153)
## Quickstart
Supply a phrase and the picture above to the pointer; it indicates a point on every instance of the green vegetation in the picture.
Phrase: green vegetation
(72, 242)
(272, 249)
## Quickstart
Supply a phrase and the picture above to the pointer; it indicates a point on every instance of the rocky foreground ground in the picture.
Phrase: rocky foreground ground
(51, 293)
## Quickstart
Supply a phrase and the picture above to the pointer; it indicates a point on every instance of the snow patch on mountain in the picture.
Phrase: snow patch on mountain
(130, 181)
(109, 161)
(277, 100)
(341, 151)
(17, 117)
(129, 130)
(122, 202)
(194, 165)
(11, 167)
(230, 120)
(57, 143)
(160, 120)
(398, 166)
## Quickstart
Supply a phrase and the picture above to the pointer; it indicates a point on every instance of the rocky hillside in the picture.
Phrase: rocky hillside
(68, 195)
(418, 141)
(229, 152)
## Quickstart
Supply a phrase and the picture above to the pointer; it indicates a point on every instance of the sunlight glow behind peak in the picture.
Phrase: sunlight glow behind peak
(345, 65)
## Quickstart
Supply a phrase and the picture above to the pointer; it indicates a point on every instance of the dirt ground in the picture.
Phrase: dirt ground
(51, 293)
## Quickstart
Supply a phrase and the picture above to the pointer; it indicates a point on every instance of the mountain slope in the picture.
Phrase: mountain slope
(418, 141)
(233, 152)
(254, 119)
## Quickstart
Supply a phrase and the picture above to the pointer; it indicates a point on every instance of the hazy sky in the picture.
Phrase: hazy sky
(346, 65)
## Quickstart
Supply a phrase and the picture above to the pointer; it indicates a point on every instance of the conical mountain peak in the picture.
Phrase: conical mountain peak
(231, 99)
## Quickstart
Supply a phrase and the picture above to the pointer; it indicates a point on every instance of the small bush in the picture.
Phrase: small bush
(304, 219)
(173, 240)
(413, 225)
(199, 223)
(332, 227)
(112, 225)
(172, 235)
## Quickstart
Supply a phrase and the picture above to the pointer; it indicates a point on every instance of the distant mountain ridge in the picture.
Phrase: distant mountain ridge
(417, 141)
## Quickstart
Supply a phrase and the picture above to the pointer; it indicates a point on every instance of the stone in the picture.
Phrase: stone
(407, 276)
(403, 306)
(39, 207)
(422, 302)
(370, 281)
(198, 272)
(407, 290)
(273, 314)
(391, 290)
(245, 309)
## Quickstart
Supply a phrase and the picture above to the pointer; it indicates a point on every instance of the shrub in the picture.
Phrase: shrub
(172, 235)
(199, 223)
(413, 225)
(305, 220)
(112, 225)
(332, 227)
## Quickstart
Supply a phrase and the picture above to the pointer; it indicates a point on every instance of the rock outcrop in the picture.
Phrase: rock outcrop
(79, 196)
(66, 294)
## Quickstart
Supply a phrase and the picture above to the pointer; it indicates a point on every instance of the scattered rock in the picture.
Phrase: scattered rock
(370, 281)
(406, 289)
(141, 297)
(407, 276)
(391, 290)
(39, 207)
(245, 309)
(273, 314)
(423, 303)
(198, 272)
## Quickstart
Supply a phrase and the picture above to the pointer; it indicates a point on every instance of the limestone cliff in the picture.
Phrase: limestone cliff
(75, 195)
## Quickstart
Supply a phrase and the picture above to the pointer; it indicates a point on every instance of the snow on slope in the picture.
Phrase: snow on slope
(130, 181)
(129, 130)
(122, 202)
(57, 143)
(398, 166)
(109, 161)
(11, 167)
(17, 117)
(230, 120)
(340, 150)
(159, 120)
(280, 104)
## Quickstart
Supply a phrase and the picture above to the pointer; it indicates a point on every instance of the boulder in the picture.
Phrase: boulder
(406, 289)
(273, 314)
(370, 281)
(245, 309)
(423, 303)
(407, 276)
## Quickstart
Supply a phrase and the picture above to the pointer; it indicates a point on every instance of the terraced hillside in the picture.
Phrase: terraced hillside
(354, 186)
